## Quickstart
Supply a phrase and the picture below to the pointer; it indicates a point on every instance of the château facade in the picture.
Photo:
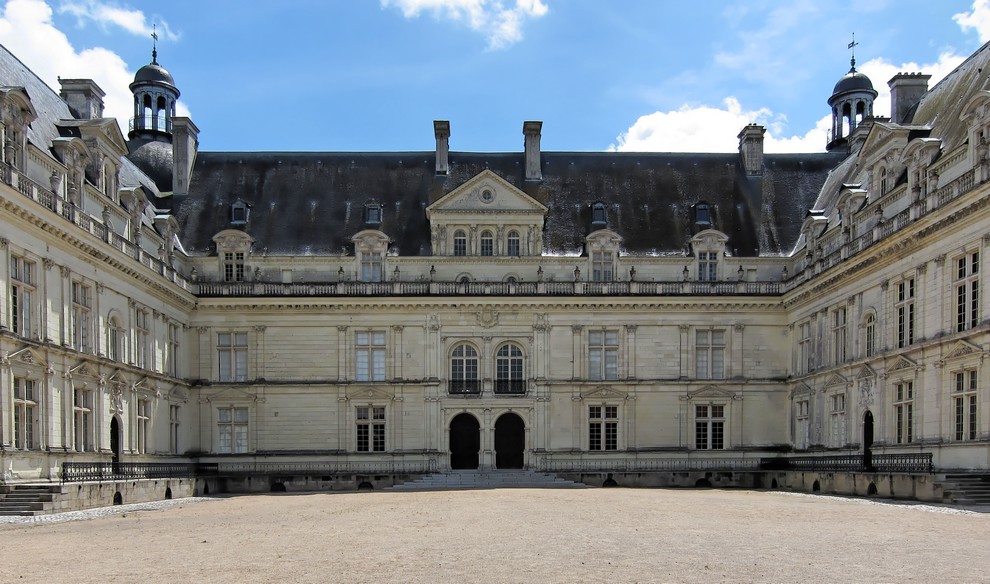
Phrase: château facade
(444, 309)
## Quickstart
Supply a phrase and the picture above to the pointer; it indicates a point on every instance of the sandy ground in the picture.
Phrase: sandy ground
(510, 535)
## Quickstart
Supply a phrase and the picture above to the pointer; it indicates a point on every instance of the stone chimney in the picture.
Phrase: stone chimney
(751, 148)
(906, 91)
(532, 132)
(185, 144)
(441, 129)
(84, 98)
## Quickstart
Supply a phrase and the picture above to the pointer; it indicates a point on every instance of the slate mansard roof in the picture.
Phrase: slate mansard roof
(312, 203)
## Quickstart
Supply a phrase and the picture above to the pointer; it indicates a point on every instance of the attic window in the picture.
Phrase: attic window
(599, 217)
(702, 214)
(239, 213)
(373, 213)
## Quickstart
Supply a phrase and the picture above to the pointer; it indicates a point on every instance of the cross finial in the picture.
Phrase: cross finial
(852, 60)
(154, 47)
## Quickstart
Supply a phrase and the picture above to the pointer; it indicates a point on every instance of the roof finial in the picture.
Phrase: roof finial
(852, 60)
(154, 47)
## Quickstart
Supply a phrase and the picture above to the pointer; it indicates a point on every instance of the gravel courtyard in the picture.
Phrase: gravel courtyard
(508, 535)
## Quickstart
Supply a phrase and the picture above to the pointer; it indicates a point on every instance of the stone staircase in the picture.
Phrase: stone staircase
(965, 488)
(493, 479)
(26, 500)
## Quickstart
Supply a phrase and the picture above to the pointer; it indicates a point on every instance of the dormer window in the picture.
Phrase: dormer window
(239, 213)
(373, 213)
(599, 217)
(702, 214)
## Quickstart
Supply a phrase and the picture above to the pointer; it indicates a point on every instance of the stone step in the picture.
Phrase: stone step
(463, 480)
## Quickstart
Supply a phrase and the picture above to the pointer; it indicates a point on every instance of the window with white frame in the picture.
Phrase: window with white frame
(460, 243)
(25, 412)
(839, 336)
(805, 356)
(464, 369)
(905, 313)
(709, 426)
(233, 266)
(232, 356)
(81, 324)
(903, 412)
(82, 417)
(509, 369)
(172, 350)
(142, 337)
(115, 340)
(802, 423)
(371, 266)
(143, 419)
(709, 354)
(232, 430)
(603, 427)
(369, 347)
(487, 243)
(173, 428)
(870, 334)
(707, 266)
(22, 288)
(967, 286)
(370, 428)
(512, 245)
(837, 420)
(603, 355)
(964, 397)
(601, 266)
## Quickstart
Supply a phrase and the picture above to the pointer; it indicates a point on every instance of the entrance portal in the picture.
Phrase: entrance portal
(510, 441)
(868, 440)
(465, 441)
(115, 443)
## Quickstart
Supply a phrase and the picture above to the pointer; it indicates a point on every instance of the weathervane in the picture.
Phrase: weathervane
(852, 60)
(154, 46)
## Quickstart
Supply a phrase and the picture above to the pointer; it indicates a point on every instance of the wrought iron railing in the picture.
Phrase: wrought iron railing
(464, 386)
(912, 462)
(110, 471)
(510, 386)
(627, 464)
(234, 469)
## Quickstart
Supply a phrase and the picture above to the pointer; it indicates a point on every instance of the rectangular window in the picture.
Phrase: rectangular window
(143, 419)
(601, 266)
(905, 313)
(967, 291)
(370, 356)
(487, 244)
(837, 420)
(142, 337)
(964, 405)
(903, 412)
(707, 266)
(232, 429)
(232, 353)
(173, 429)
(172, 351)
(233, 266)
(603, 355)
(512, 246)
(802, 423)
(709, 354)
(871, 335)
(81, 324)
(839, 336)
(709, 426)
(371, 267)
(22, 283)
(82, 414)
(25, 410)
(805, 363)
(370, 429)
(603, 427)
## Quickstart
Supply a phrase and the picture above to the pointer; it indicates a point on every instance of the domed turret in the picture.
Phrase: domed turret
(150, 136)
(851, 103)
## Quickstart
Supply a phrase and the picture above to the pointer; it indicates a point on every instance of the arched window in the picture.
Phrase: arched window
(115, 339)
(512, 244)
(487, 243)
(870, 335)
(460, 243)
(464, 370)
(509, 370)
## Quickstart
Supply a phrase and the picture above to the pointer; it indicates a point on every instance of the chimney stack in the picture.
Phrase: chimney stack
(532, 132)
(84, 98)
(751, 148)
(906, 91)
(185, 144)
(441, 129)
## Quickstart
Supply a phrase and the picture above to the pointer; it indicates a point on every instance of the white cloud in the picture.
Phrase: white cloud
(715, 129)
(132, 21)
(501, 26)
(26, 29)
(978, 19)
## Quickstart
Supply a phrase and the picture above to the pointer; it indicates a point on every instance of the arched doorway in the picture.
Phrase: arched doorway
(510, 441)
(115, 443)
(868, 440)
(465, 441)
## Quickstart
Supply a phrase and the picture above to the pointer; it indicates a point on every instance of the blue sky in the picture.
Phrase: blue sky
(314, 75)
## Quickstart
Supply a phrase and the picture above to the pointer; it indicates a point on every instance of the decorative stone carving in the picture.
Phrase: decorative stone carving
(487, 318)
(865, 392)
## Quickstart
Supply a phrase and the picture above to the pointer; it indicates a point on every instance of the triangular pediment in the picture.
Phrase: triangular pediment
(486, 192)
(711, 391)
(901, 364)
(801, 389)
(84, 369)
(880, 136)
(232, 394)
(26, 356)
(604, 392)
(118, 377)
(368, 393)
(835, 380)
(963, 349)
(866, 372)
(178, 394)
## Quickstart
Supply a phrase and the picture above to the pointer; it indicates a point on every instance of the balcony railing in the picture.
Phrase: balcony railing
(109, 471)
(911, 462)
(510, 386)
(464, 386)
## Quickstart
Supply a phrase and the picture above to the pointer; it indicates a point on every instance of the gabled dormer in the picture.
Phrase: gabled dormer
(106, 146)
(708, 248)
(486, 216)
(16, 113)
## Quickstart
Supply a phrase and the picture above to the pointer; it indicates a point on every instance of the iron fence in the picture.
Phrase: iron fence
(918, 462)
(111, 471)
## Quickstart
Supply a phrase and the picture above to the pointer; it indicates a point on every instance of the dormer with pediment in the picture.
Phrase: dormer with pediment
(919, 155)
(851, 200)
(16, 113)
(370, 248)
(233, 247)
(976, 115)
(602, 250)
(72, 153)
(882, 157)
(106, 146)
(708, 249)
(486, 216)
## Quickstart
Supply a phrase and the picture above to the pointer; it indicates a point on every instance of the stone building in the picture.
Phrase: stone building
(399, 312)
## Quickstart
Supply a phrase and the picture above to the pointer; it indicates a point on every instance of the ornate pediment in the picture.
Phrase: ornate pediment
(233, 240)
(835, 380)
(486, 193)
(84, 369)
(963, 349)
(178, 394)
(234, 394)
(802, 389)
(866, 372)
(358, 393)
(711, 392)
(604, 392)
(901, 364)
(28, 356)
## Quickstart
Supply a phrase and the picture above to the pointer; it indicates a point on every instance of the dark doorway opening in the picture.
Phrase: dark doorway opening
(868, 440)
(465, 442)
(510, 441)
(115, 443)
